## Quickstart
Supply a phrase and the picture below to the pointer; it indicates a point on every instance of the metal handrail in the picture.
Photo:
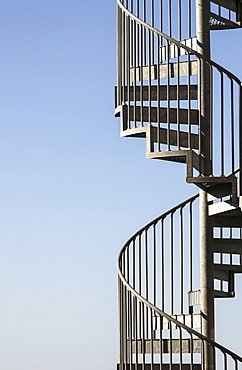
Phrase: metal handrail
(179, 44)
(148, 304)
(157, 219)
(176, 322)
(137, 262)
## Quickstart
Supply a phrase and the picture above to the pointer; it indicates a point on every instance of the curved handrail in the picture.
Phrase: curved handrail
(149, 304)
(176, 322)
(157, 219)
(137, 260)
(179, 44)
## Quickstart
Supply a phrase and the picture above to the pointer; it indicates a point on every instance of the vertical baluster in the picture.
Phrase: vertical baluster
(211, 120)
(128, 65)
(161, 16)
(143, 336)
(235, 364)
(152, 339)
(123, 56)
(181, 261)
(161, 339)
(170, 340)
(189, 19)
(222, 125)
(191, 351)
(154, 277)
(189, 101)
(232, 126)
(125, 325)
(171, 264)
(225, 362)
(140, 282)
(149, 78)
(152, 24)
(142, 63)
(169, 18)
(178, 98)
(159, 45)
(138, 55)
(134, 263)
(135, 46)
(179, 19)
(240, 140)
(146, 278)
(130, 328)
(136, 332)
(168, 95)
(121, 325)
(163, 267)
(191, 245)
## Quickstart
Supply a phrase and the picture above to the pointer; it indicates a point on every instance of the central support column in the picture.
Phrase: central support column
(206, 230)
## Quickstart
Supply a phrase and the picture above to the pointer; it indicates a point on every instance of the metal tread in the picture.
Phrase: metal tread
(157, 366)
(219, 23)
(228, 267)
(156, 92)
(146, 73)
(159, 115)
(228, 246)
(171, 51)
(174, 345)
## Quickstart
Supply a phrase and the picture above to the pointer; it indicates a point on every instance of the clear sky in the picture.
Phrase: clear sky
(71, 190)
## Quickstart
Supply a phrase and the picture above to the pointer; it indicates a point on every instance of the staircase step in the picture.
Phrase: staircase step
(228, 267)
(227, 221)
(194, 298)
(147, 73)
(173, 138)
(228, 246)
(147, 114)
(147, 93)
(220, 23)
(225, 209)
(158, 367)
(222, 294)
(171, 51)
(223, 275)
(193, 321)
(145, 346)
(230, 5)
(208, 183)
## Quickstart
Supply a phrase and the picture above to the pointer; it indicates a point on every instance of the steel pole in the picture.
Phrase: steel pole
(206, 230)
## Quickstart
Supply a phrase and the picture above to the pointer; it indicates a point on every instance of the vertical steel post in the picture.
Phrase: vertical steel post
(206, 230)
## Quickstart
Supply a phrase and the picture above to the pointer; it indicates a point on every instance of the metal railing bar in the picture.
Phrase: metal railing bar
(179, 324)
(171, 264)
(163, 216)
(222, 125)
(163, 266)
(154, 268)
(232, 126)
(181, 262)
(174, 41)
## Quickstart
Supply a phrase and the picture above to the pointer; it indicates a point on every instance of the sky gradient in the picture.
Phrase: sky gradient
(71, 190)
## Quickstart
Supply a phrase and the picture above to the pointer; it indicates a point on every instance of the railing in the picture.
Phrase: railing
(165, 89)
(157, 268)
(159, 85)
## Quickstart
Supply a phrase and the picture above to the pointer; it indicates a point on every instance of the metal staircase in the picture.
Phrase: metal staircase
(188, 108)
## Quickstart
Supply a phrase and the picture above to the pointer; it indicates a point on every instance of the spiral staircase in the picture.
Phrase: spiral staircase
(188, 109)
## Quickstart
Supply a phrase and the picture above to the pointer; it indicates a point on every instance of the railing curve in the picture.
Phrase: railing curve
(155, 70)
(154, 332)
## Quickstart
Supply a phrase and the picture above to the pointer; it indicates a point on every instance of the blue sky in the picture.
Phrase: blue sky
(71, 190)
